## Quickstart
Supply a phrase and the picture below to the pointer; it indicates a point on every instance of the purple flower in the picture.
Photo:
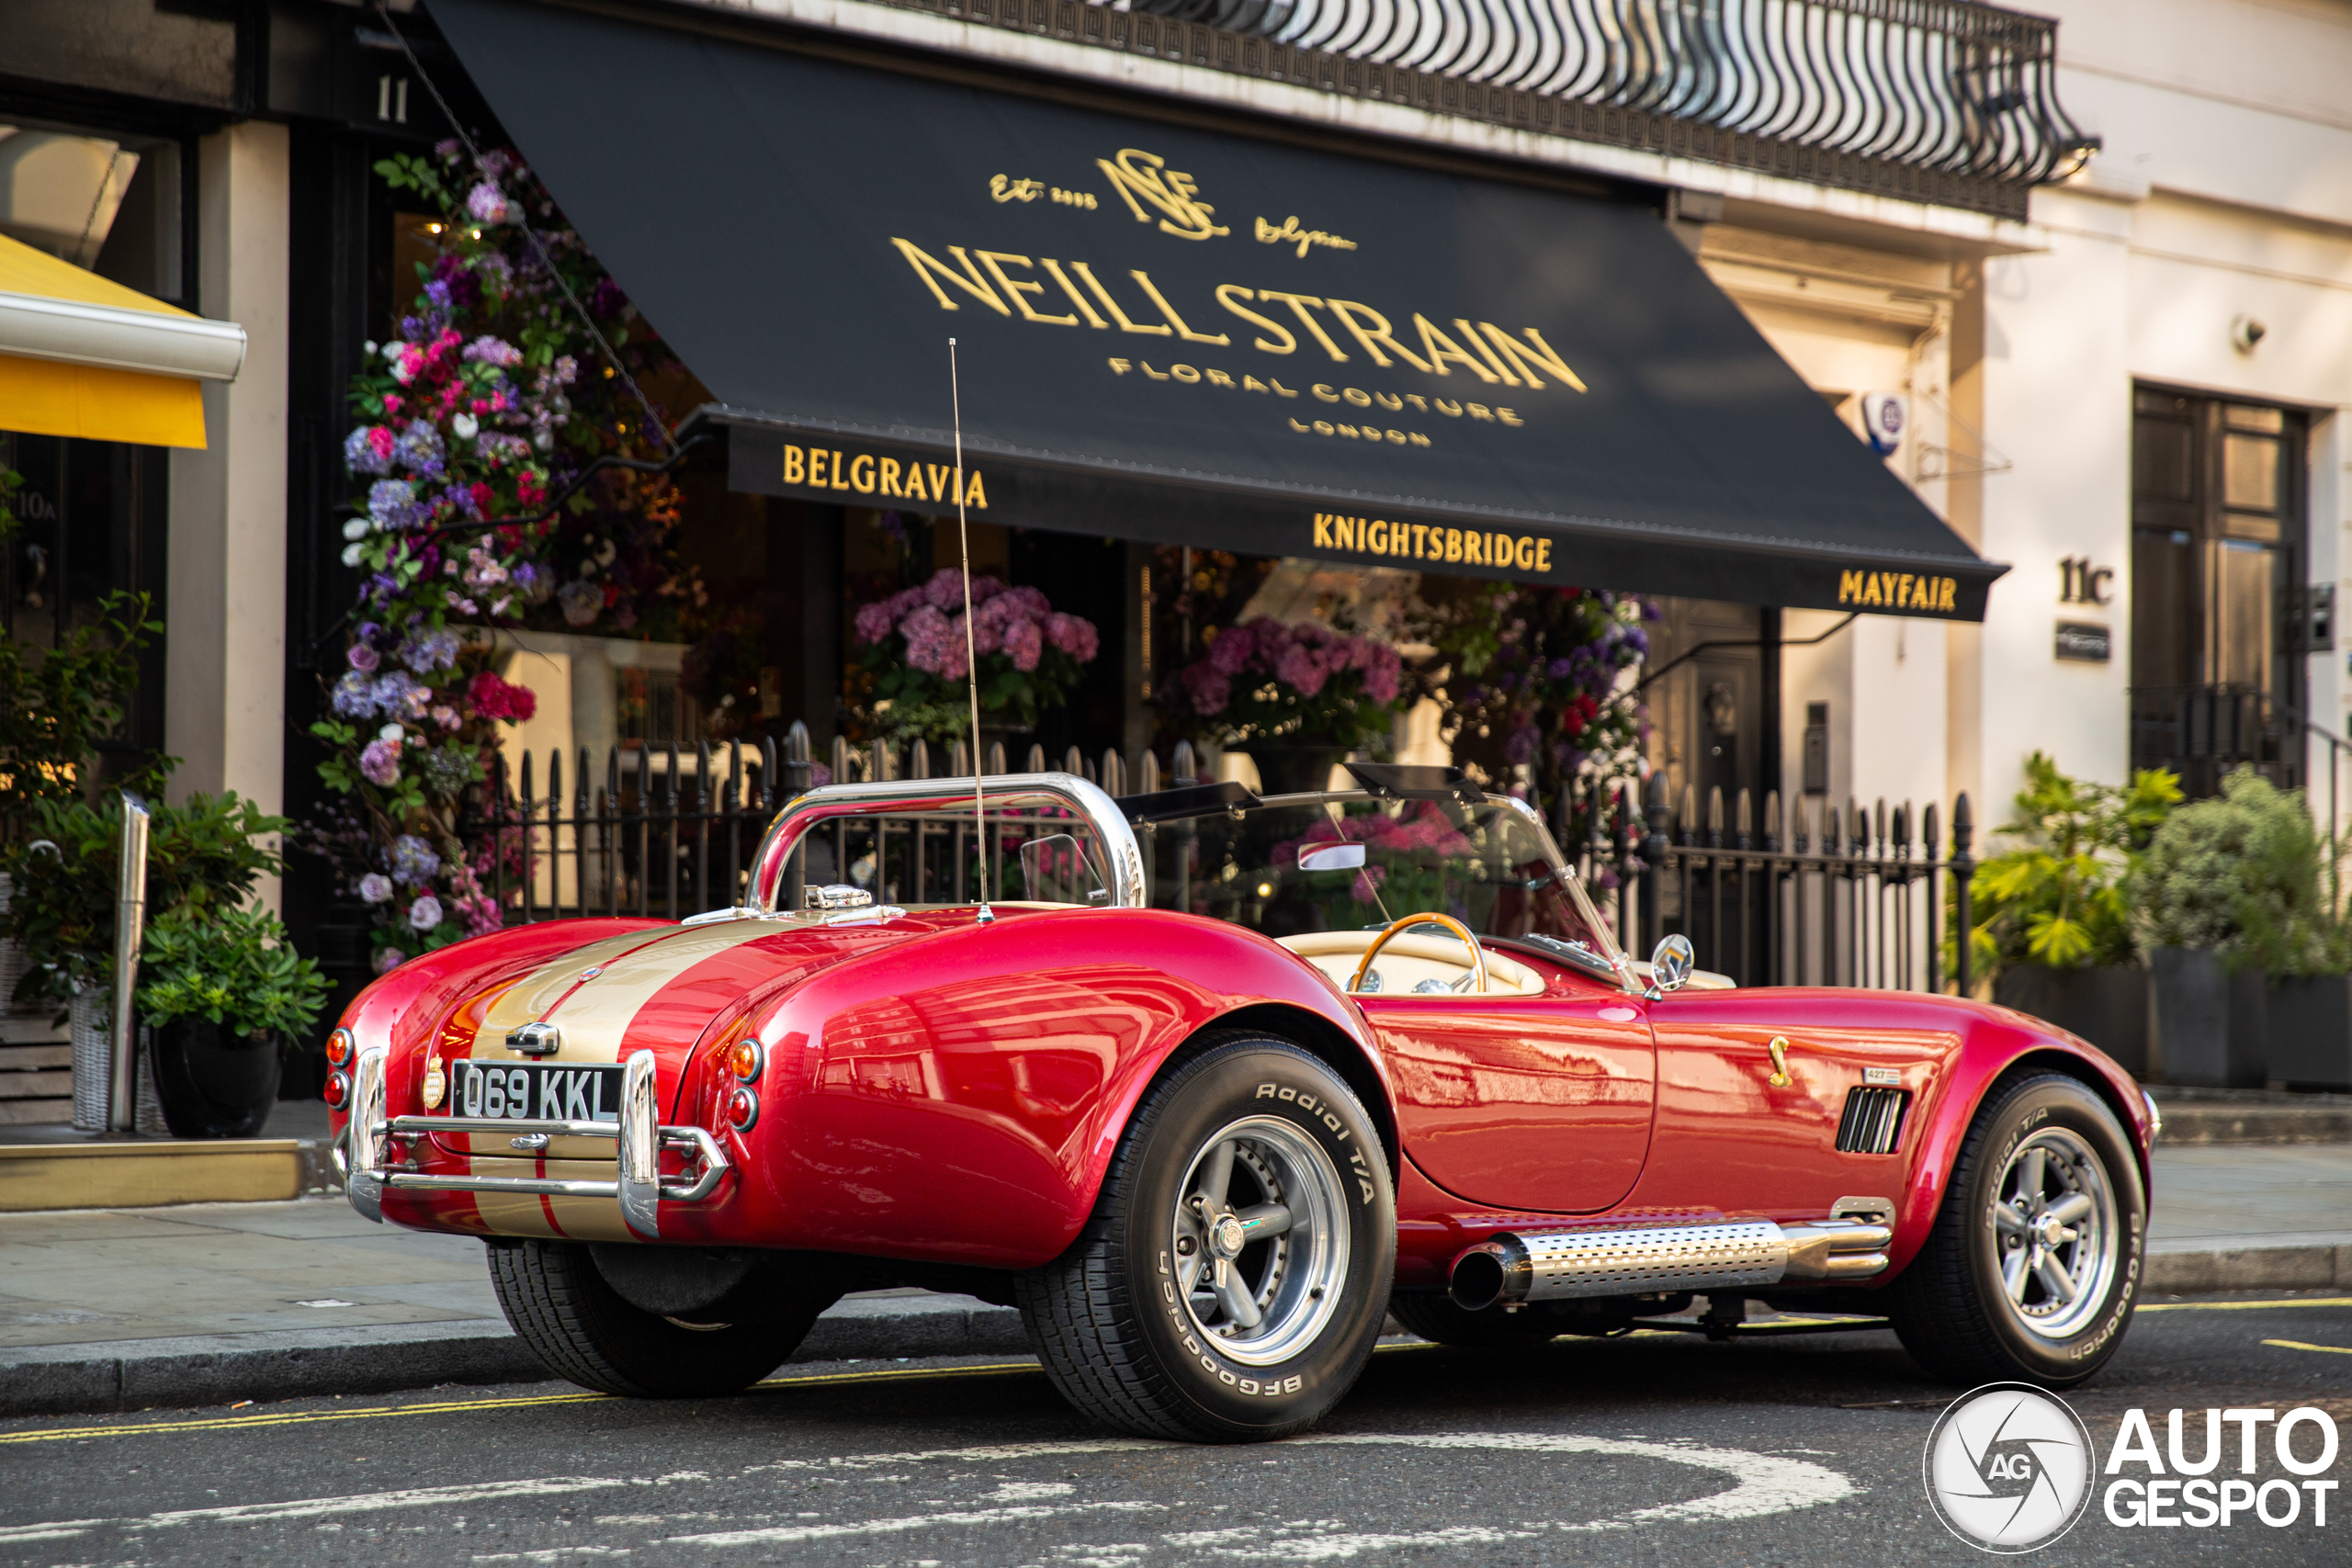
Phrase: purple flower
(873, 622)
(355, 696)
(1208, 690)
(426, 913)
(419, 448)
(399, 694)
(389, 959)
(487, 203)
(1230, 652)
(1302, 669)
(376, 888)
(489, 350)
(392, 503)
(414, 862)
(367, 450)
(1520, 745)
(1073, 636)
(1025, 641)
(362, 657)
(429, 649)
(380, 763)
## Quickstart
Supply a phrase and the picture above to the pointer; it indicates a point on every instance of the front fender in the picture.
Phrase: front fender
(960, 1099)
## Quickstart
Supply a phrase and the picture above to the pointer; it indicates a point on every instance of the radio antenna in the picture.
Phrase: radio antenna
(971, 640)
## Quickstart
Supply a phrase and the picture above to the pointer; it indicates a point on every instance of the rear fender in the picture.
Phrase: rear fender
(958, 1099)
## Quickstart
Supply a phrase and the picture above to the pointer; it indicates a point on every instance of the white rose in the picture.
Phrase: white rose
(351, 555)
(355, 529)
(391, 732)
(466, 425)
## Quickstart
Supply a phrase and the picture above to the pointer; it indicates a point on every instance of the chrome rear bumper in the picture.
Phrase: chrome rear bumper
(638, 1188)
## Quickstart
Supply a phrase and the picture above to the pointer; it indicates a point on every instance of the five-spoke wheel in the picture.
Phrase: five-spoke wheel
(2033, 1264)
(1235, 1274)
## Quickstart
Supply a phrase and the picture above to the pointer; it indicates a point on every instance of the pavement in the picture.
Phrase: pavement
(1657, 1449)
(203, 1304)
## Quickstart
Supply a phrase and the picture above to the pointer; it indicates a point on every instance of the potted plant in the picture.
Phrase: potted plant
(909, 654)
(218, 992)
(2227, 887)
(2052, 926)
(203, 857)
(1296, 698)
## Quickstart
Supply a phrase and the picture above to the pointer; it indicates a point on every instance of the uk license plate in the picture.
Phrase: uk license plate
(537, 1091)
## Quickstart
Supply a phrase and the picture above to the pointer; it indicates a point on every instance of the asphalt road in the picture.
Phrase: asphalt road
(1659, 1449)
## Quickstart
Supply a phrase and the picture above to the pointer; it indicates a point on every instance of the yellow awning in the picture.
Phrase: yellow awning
(81, 354)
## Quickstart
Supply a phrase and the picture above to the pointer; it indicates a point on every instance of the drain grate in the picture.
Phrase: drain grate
(1874, 1120)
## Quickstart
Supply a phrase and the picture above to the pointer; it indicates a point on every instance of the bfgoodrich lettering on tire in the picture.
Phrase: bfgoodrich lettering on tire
(1233, 1276)
(2033, 1266)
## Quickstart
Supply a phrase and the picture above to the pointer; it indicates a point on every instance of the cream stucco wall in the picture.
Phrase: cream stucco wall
(225, 612)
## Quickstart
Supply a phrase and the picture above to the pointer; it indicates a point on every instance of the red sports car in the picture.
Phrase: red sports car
(1233, 1079)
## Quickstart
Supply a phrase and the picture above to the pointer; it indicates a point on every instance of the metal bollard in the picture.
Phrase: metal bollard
(130, 925)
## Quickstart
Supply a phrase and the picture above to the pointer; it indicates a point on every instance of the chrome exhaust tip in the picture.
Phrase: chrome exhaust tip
(1492, 1271)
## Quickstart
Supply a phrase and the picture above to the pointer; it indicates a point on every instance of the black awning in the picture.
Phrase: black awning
(1188, 336)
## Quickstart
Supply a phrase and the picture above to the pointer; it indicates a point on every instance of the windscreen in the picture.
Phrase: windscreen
(1344, 866)
(928, 852)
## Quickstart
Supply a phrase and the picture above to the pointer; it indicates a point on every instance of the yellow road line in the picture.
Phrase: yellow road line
(445, 1407)
(2298, 1345)
(2248, 1306)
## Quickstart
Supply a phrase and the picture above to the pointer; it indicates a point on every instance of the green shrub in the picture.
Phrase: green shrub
(204, 856)
(232, 968)
(2240, 874)
(2057, 896)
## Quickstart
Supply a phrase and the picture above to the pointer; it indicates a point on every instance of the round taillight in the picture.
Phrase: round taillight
(742, 1110)
(339, 1047)
(744, 1060)
(338, 1089)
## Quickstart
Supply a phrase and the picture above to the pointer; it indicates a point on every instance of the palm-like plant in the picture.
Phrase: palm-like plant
(2056, 896)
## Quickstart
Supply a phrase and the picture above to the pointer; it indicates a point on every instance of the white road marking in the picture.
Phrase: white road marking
(989, 1454)
(316, 1507)
(787, 1533)
(1028, 1491)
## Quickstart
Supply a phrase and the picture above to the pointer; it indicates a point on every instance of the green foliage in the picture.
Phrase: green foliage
(231, 966)
(203, 858)
(2240, 874)
(55, 704)
(2058, 895)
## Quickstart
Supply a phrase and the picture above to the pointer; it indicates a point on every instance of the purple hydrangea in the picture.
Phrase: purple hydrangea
(414, 862)
(392, 503)
(489, 350)
(399, 694)
(354, 696)
(380, 763)
(430, 648)
(419, 450)
(368, 450)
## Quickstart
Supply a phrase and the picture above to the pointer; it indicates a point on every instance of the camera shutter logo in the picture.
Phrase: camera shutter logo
(2009, 1468)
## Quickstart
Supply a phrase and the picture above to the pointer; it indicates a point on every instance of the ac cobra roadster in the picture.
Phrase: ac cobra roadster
(1228, 1082)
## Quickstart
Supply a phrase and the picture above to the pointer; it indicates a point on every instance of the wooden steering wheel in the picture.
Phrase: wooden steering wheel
(1478, 954)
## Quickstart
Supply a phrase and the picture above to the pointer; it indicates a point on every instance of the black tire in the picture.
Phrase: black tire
(1120, 1341)
(561, 1306)
(1950, 1306)
(1442, 1321)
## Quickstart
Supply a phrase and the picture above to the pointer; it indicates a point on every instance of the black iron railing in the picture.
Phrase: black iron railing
(1930, 101)
(1825, 898)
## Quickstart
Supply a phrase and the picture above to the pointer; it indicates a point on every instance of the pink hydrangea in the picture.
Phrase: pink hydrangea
(1208, 690)
(1073, 636)
(1302, 669)
(1230, 652)
(1025, 641)
(873, 622)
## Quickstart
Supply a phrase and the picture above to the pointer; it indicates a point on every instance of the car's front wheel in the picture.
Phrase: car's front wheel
(1235, 1274)
(2033, 1266)
(573, 1317)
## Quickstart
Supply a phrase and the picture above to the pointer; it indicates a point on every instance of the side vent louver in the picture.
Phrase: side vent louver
(1874, 1120)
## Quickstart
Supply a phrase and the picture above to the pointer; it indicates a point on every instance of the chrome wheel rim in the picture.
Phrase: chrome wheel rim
(2055, 1234)
(1260, 1240)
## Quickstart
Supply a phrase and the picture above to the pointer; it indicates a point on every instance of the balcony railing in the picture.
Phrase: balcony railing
(1929, 100)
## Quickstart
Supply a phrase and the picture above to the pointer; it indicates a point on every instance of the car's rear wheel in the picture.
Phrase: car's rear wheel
(1233, 1276)
(561, 1305)
(2033, 1267)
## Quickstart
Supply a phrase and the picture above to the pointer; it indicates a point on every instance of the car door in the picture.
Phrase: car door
(1539, 1102)
(1833, 1115)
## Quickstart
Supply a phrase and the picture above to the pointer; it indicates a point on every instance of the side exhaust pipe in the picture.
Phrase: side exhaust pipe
(1542, 1266)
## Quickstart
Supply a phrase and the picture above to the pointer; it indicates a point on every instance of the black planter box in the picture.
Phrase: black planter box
(2310, 1031)
(2107, 1007)
(2206, 1027)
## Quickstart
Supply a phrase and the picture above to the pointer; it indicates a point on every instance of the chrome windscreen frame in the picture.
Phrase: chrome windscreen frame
(638, 1185)
(806, 812)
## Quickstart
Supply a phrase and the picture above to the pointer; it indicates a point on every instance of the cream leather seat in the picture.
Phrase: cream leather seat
(1409, 960)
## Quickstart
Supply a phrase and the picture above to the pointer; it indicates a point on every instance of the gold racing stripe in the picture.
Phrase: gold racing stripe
(594, 1015)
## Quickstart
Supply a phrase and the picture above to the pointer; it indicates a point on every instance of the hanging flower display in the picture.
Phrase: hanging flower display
(492, 399)
(909, 658)
(1308, 683)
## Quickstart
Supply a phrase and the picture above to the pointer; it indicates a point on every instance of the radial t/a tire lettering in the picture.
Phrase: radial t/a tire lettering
(2033, 1266)
(561, 1306)
(1235, 1274)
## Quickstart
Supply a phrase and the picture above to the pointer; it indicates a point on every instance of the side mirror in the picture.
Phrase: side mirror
(1672, 962)
(1331, 857)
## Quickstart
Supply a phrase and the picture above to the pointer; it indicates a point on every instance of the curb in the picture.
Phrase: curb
(2316, 1267)
(79, 1380)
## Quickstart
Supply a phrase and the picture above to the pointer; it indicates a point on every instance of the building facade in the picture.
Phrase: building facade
(2089, 288)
